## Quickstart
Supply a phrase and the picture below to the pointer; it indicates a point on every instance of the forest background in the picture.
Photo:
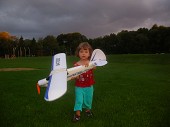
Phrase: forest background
(141, 41)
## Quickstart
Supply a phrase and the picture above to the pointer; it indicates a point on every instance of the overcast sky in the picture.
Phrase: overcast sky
(92, 18)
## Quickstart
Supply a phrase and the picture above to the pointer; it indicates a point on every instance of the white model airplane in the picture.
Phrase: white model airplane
(56, 83)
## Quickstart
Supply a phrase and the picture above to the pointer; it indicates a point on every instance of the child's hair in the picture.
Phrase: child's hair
(84, 45)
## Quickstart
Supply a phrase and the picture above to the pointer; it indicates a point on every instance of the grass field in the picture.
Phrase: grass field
(131, 91)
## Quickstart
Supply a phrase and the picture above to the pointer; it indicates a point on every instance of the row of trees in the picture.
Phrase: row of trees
(154, 40)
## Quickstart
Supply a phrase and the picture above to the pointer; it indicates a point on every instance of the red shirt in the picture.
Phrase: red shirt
(86, 79)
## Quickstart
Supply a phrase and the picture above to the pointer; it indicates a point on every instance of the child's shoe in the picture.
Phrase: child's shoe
(89, 113)
(76, 118)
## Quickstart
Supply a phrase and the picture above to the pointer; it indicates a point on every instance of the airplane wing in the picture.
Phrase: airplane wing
(57, 85)
(59, 62)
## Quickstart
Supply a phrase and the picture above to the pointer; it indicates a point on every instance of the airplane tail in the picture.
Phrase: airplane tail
(98, 58)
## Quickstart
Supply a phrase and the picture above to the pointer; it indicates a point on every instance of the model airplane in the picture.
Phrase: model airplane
(56, 82)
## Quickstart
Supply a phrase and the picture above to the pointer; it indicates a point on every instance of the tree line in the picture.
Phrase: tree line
(143, 40)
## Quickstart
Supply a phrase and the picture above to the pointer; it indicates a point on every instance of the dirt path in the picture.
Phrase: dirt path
(17, 69)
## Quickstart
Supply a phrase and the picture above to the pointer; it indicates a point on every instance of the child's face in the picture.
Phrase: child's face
(84, 54)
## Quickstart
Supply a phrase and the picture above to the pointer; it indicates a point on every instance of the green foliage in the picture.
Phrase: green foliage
(142, 41)
(70, 41)
(130, 91)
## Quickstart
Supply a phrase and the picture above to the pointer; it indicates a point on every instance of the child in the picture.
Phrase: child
(84, 82)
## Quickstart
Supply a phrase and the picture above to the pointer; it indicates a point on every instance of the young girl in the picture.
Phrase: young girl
(84, 82)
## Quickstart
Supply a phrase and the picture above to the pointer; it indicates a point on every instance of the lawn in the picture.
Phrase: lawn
(130, 91)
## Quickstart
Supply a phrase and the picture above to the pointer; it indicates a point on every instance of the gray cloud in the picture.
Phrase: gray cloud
(93, 18)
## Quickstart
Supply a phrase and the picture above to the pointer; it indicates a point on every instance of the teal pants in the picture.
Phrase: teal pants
(83, 98)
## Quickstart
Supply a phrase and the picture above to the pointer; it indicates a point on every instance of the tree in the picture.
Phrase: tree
(110, 44)
(156, 36)
(143, 40)
(39, 47)
(124, 42)
(5, 36)
(33, 47)
(7, 43)
(50, 45)
(70, 41)
(20, 47)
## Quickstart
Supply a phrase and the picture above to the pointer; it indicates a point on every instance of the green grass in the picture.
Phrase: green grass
(131, 91)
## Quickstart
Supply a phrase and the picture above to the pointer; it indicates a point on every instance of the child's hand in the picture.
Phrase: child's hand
(94, 68)
(86, 65)
(75, 77)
